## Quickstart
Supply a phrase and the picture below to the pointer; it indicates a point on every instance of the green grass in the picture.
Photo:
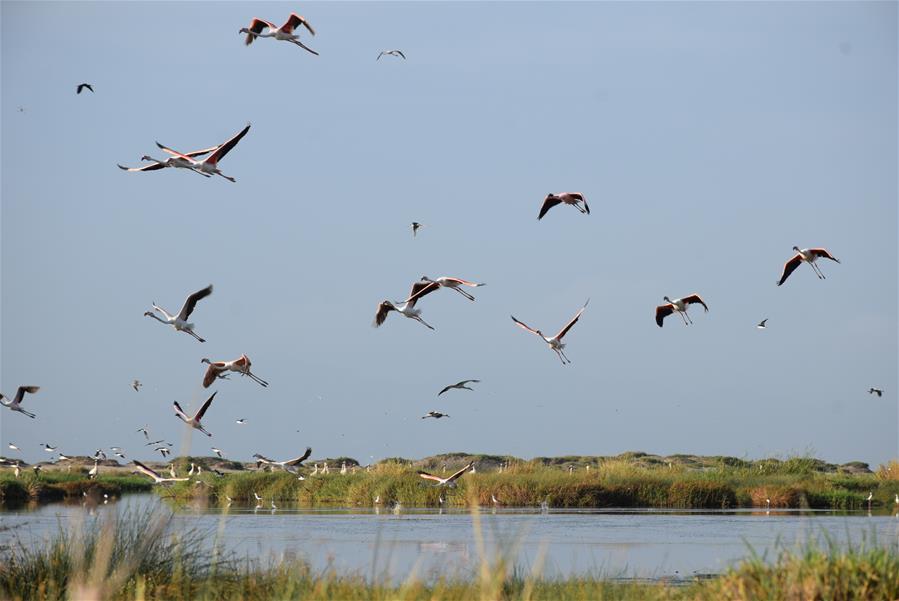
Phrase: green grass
(141, 557)
(55, 485)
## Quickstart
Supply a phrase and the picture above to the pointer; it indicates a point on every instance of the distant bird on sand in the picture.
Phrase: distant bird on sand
(460, 385)
(805, 255)
(157, 479)
(288, 465)
(570, 198)
(434, 414)
(415, 227)
(209, 165)
(194, 422)
(82, 86)
(240, 365)
(679, 306)
(136, 385)
(179, 321)
(762, 325)
(876, 391)
(15, 404)
(260, 28)
(391, 53)
(449, 481)
(555, 343)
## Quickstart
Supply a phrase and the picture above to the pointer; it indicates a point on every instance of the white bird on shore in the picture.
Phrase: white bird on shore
(805, 255)
(179, 321)
(15, 404)
(17, 470)
(494, 499)
(260, 28)
(240, 365)
(258, 498)
(190, 472)
(679, 306)
(343, 469)
(448, 481)
(555, 343)
(194, 422)
(157, 479)
(94, 470)
(288, 465)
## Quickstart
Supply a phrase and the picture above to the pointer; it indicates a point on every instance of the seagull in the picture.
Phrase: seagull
(179, 321)
(391, 53)
(14, 447)
(218, 452)
(452, 284)
(285, 32)
(82, 86)
(16, 403)
(136, 385)
(194, 422)
(460, 385)
(415, 227)
(449, 481)
(48, 448)
(434, 414)
(555, 343)
(288, 465)
(240, 365)
(807, 255)
(570, 198)
(164, 451)
(145, 431)
(876, 391)
(157, 479)
(241, 421)
(407, 308)
(679, 306)
(762, 325)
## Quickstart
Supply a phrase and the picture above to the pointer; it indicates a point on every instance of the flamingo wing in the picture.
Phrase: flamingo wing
(789, 267)
(549, 202)
(192, 300)
(663, 311)
(521, 324)
(420, 289)
(460, 472)
(212, 372)
(150, 167)
(428, 476)
(225, 148)
(20, 393)
(383, 309)
(573, 321)
(695, 298)
(822, 252)
(463, 282)
(301, 458)
(293, 20)
(256, 26)
(205, 406)
(180, 413)
(145, 470)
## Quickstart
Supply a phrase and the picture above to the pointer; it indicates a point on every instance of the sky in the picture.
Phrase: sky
(708, 138)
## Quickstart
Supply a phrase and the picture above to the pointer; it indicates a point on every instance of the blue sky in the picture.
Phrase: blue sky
(709, 138)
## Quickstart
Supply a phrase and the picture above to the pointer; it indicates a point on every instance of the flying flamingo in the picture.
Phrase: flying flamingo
(194, 422)
(449, 481)
(451, 283)
(181, 162)
(15, 404)
(288, 465)
(285, 32)
(679, 306)
(157, 479)
(407, 308)
(391, 53)
(570, 198)
(217, 369)
(209, 165)
(555, 343)
(460, 385)
(435, 415)
(807, 255)
(179, 321)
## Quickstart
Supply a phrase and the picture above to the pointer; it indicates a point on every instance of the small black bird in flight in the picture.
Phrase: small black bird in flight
(81, 87)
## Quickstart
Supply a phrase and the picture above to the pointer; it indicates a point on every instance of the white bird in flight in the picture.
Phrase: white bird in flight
(157, 479)
(570, 198)
(805, 255)
(555, 342)
(179, 321)
(194, 422)
(240, 365)
(260, 28)
(288, 465)
(15, 404)
(407, 308)
(448, 481)
(391, 53)
(209, 165)
(460, 385)
(679, 306)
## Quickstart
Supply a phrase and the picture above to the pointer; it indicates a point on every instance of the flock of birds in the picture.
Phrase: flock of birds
(208, 167)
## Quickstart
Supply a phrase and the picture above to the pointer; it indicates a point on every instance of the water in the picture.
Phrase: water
(650, 544)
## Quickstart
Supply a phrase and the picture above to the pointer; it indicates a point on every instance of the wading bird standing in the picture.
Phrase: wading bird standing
(434, 414)
(240, 365)
(460, 385)
(194, 422)
(807, 255)
(260, 28)
(679, 306)
(452, 284)
(15, 404)
(288, 465)
(391, 53)
(179, 321)
(876, 391)
(570, 198)
(407, 308)
(157, 479)
(209, 165)
(449, 481)
(82, 86)
(555, 343)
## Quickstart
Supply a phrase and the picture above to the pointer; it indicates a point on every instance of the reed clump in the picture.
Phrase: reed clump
(55, 485)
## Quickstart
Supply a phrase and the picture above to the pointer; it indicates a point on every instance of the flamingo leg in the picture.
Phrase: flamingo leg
(559, 354)
(230, 179)
(195, 170)
(819, 272)
(422, 321)
(192, 333)
(689, 319)
(683, 315)
(463, 293)
(31, 415)
(257, 379)
(304, 47)
(156, 317)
